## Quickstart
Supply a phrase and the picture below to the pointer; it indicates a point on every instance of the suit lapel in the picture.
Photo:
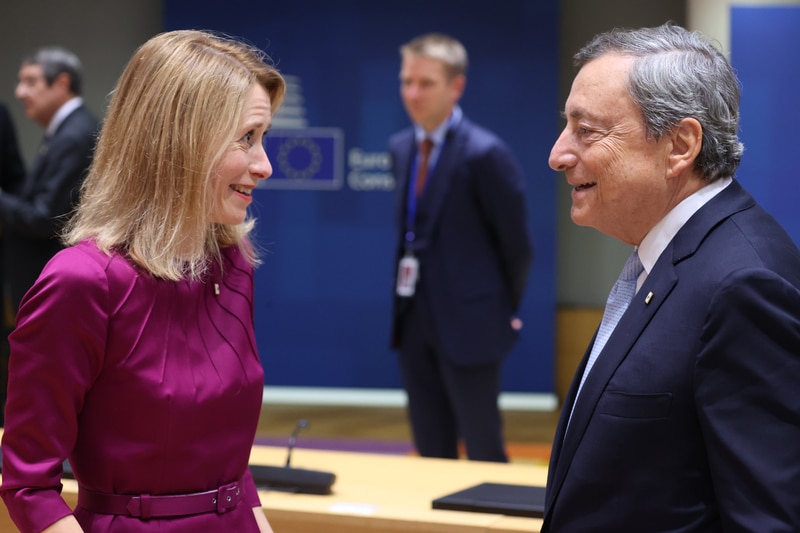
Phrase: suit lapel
(644, 305)
(39, 164)
(439, 181)
(636, 318)
(404, 154)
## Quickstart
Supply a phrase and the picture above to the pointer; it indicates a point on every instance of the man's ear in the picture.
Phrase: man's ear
(687, 139)
(62, 81)
(458, 84)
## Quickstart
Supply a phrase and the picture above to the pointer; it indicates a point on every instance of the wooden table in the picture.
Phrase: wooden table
(378, 493)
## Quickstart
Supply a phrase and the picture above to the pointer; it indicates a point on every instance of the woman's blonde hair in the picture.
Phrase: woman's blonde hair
(172, 115)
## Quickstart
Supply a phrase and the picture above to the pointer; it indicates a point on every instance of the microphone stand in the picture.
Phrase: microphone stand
(290, 479)
(301, 424)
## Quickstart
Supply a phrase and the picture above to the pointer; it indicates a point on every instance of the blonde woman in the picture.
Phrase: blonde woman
(134, 354)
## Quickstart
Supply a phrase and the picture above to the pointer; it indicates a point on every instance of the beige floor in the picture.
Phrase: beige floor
(524, 427)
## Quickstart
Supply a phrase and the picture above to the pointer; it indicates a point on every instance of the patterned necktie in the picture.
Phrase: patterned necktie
(618, 300)
(422, 171)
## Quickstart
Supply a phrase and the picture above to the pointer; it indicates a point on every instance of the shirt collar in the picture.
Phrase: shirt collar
(438, 135)
(63, 112)
(657, 239)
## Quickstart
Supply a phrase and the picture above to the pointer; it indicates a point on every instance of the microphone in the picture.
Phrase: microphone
(290, 479)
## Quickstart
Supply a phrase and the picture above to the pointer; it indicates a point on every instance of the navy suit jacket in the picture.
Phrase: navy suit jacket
(473, 241)
(12, 175)
(690, 418)
(33, 218)
(12, 171)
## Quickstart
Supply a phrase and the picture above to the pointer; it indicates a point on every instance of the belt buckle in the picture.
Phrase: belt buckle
(227, 497)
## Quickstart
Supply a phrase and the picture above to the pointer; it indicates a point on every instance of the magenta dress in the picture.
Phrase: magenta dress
(148, 386)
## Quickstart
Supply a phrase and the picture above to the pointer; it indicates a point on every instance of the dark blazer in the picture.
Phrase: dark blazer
(473, 241)
(12, 171)
(690, 418)
(33, 218)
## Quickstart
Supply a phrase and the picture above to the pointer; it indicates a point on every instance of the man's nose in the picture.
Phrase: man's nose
(561, 156)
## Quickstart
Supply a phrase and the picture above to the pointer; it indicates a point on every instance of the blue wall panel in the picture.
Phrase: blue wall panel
(765, 50)
(323, 293)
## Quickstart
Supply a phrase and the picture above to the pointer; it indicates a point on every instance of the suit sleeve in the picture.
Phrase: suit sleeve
(748, 400)
(56, 190)
(501, 193)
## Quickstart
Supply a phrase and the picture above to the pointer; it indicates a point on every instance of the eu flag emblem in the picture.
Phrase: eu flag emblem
(309, 158)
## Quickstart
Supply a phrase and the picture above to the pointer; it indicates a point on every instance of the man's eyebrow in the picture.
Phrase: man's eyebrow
(575, 113)
(600, 119)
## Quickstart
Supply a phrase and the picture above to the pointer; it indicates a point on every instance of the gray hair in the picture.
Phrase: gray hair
(55, 60)
(678, 74)
(442, 47)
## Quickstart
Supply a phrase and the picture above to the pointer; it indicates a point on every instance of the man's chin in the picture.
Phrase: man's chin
(580, 218)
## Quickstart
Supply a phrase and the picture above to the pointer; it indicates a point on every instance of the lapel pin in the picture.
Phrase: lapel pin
(648, 298)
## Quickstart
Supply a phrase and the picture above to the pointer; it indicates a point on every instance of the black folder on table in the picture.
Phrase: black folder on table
(496, 498)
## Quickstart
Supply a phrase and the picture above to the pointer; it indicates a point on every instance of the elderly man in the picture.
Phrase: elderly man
(685, 413)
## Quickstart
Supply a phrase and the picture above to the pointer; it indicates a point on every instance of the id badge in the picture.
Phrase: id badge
(407, 274)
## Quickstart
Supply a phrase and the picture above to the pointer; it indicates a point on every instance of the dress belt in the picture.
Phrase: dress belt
(220, 500)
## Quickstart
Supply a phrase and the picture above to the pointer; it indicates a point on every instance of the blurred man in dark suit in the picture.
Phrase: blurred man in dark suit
(49, 88)
(463, 256)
